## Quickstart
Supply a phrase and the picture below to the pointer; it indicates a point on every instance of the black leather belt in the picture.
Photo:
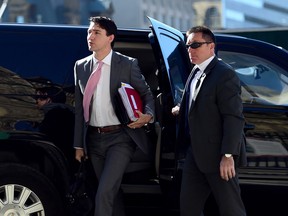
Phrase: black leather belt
(105, 129)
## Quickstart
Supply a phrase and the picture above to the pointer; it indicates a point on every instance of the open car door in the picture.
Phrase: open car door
(173, 69)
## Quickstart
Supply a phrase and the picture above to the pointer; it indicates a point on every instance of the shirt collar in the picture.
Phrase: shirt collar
(106, 60)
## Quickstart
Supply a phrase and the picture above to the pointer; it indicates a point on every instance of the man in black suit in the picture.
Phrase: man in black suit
(211, 124)
(101, 135)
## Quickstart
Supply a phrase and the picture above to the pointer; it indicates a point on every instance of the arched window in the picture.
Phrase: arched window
(212, 18)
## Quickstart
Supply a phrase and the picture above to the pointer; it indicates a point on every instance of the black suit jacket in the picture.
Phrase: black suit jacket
(215, 119)
(123, 69)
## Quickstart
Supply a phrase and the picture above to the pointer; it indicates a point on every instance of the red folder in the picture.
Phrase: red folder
(131, 100)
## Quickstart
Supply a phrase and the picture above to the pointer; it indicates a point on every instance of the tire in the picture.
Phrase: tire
(26, 192)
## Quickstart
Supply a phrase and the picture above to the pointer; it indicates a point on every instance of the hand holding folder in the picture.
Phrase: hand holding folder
(131, 101)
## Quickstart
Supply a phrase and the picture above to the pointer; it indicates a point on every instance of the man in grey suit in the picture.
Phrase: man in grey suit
(100, 134)
(211, 127)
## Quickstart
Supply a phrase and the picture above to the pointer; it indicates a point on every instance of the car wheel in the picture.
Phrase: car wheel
(25, 191)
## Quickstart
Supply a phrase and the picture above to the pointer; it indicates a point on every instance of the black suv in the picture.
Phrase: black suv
(35, 174)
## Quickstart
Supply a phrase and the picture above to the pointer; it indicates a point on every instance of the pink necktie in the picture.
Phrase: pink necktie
(89, 90)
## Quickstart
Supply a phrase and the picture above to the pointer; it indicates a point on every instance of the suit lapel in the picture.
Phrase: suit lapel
(185, 100)
(114, 73)
(89, 64)
(211, 65)
(191, 76)
(88, 68)
(187, 84)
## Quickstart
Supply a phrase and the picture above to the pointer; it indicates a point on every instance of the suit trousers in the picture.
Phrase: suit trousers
(110, 154)
(196, 187)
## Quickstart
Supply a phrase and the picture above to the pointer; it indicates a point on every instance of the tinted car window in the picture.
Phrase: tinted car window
(263, 82)
(16, 99)
(44, 56)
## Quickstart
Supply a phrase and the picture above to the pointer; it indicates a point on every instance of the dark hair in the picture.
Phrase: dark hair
(207, 34)
(56, 94)
(107, 24)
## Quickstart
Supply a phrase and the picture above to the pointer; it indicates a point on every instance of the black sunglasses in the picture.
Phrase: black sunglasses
(196, 45)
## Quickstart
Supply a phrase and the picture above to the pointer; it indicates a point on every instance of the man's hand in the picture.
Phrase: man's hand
(175, 110)
(79, 153)
(141, 121)
(227, 169)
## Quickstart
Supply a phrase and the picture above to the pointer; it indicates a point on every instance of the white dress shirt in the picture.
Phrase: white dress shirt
(199, 76)
(102, 110)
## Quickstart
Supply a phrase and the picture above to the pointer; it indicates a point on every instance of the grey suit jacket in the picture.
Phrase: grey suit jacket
(123, 69)
(215, 119)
